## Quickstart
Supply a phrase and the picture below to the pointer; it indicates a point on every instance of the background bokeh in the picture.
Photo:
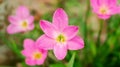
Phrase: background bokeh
(102, 38)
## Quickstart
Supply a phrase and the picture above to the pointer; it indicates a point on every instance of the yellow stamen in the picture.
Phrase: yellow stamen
(61, 38)
(103, 10)
(24, 24)
(37, 55)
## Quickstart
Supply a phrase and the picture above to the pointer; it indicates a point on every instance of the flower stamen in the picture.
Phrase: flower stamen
(103, 10)
(61, 38)
(24, 24)
(37, 55)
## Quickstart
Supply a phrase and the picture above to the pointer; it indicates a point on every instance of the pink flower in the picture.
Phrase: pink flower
(59, 36)
(20, 22)
(104, 8)
(34, 55)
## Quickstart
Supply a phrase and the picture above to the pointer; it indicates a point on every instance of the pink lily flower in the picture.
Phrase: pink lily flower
(21, 22)
(34, 55)
(59, 36)
(104, 8)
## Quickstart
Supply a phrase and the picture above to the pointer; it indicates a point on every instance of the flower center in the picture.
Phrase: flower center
(37, 55)
(61, 38)
(24, 24)
(103, 10)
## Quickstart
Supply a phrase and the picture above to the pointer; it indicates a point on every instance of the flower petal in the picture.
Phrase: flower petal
(27, 52)
(60, 51)
(60, 18)
(112, 3)
(48, 28)
(22, 12)
(94, 3)
(14, 20)
(29, 43)
(103, 2)
(39, 62)
(104, 16)
(75, 43)
(70, 31)
(30, 19)
(29, 47)
(30, 61)
(31, 27)
(114, 10)
(45, 42)
(12, 29)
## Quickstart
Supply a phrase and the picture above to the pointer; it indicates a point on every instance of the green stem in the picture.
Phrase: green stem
(16, 49)
(85, 21)
(85, 30)
(100, 32)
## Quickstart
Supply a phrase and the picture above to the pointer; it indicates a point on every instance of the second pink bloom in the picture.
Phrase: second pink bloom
(21, 22)
(105, 8)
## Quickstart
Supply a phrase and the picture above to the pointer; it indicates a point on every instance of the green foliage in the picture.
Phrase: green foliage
(71, 62)
(102, 53)
(57, 65)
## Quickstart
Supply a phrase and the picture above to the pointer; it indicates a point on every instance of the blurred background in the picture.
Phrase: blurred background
(102, 39)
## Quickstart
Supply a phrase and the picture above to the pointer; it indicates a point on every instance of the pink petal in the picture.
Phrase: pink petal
(103, 2)
(47, 28)
(40, 62)
(45, 42)
(70, 31)
(22, 12)
(27, 52)
(114, 10)
(75, 43)
(30, 61)
(97, 3)
(60, 51)
(14, 20)
(94, 3)
(112, 3)
(12, 29)
(104, 16)
(96, 10)
(29, 43)
(30, 19)
(29, 47)
(60, 19)
(31, 27)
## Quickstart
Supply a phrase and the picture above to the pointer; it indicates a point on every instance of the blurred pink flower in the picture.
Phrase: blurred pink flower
(104, 8)
(59, 36)
(34, 55)
(21, 22)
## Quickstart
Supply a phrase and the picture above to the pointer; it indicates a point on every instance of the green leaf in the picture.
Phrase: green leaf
(93, 48)
(71, 62)
(57, 65)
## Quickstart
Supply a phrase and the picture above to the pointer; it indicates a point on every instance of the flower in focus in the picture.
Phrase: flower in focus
(34, 55)
(59, 36)
(104, 8)
(21, 22)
